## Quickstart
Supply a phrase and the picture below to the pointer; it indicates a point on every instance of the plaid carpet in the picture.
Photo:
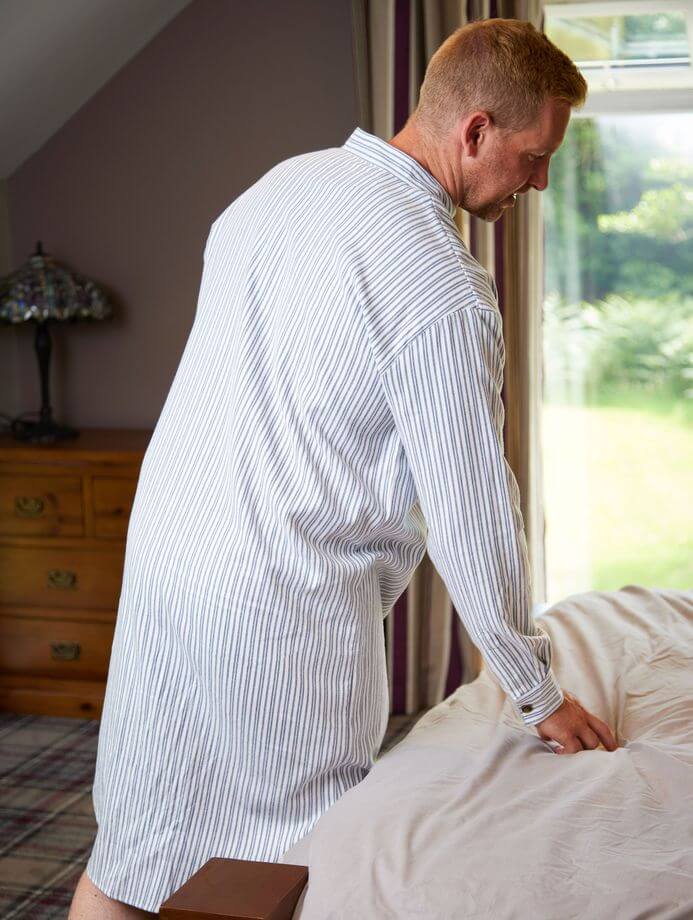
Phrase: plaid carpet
(46, 819)
(47, 824)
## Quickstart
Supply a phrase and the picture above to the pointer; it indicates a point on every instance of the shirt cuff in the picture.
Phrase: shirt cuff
(538, 704)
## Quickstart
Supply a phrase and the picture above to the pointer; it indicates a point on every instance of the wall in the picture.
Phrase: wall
(126, 191)
(9, 364)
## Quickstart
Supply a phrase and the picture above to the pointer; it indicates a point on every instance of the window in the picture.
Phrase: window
(625, 45)
(617, 423)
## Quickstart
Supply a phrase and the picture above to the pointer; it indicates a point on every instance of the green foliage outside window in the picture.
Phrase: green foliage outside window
(618, 312)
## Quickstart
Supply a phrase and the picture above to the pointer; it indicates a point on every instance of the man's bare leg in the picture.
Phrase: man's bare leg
(90, 903)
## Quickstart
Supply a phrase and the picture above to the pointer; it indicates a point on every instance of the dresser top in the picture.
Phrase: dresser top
(119, 444)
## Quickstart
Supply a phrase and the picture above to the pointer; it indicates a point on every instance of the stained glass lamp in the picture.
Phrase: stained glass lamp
(44, 292)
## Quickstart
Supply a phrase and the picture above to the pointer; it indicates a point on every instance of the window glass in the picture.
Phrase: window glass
(622, 41)
(617, 420)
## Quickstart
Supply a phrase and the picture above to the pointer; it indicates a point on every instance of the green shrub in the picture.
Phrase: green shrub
(638, 346)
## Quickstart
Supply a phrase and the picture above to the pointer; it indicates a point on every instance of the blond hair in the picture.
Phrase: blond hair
(504, 67)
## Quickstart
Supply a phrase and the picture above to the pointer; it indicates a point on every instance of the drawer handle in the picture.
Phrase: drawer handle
(26, 506)
(59, 578)
(65, 651)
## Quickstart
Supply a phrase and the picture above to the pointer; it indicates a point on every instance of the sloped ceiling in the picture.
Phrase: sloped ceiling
(55, 54)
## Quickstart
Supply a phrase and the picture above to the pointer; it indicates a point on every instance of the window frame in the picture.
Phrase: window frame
(674, 80)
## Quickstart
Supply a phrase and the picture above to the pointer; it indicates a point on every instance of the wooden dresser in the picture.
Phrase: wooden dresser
(64, 512)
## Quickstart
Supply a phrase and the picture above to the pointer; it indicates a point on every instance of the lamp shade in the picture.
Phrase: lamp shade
(42, 290)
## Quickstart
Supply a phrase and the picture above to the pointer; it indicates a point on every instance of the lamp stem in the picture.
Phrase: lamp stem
(42, 343)
(44, 431)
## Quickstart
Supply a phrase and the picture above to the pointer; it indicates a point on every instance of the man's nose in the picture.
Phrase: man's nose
(540, 177)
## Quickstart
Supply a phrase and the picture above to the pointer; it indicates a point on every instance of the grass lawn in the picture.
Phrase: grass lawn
(618, 487)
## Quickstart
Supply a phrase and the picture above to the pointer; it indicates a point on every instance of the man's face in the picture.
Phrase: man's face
(495, 166)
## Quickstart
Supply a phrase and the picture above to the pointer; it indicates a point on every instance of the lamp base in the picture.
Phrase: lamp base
(41, 432)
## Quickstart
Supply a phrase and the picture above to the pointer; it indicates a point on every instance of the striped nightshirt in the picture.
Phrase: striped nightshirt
(335, 412)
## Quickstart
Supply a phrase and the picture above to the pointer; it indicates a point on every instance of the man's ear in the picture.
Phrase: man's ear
(474, 131)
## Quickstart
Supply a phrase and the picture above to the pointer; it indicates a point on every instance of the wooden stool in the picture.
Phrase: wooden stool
(237, 889)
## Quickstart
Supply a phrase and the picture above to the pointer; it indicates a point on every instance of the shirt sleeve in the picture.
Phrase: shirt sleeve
(444, 392)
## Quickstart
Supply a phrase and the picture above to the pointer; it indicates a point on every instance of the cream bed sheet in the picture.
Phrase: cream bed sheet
(474, 816)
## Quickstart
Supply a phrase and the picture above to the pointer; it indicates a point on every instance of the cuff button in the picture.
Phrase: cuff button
(526, 708)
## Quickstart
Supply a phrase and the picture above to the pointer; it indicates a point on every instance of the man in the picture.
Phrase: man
(336, 412)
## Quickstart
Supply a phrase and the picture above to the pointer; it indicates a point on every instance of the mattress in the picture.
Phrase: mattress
(472, 815)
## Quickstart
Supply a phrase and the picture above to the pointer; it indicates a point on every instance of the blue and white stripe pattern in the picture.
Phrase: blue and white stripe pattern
(337, 405)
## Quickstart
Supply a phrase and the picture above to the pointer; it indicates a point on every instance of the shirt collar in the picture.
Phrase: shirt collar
(396, 161)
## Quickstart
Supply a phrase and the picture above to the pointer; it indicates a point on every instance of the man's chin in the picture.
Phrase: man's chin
(491, 215)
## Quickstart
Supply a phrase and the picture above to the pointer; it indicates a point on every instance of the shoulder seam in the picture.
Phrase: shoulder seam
(476, 305)
(466, 307)
(480, 305)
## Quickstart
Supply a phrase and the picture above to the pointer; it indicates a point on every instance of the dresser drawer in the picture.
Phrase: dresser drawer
(40, 505)
(70, 578)
(54, 648)
(112, 503)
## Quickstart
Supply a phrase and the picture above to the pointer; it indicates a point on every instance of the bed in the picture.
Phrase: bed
(472, 815)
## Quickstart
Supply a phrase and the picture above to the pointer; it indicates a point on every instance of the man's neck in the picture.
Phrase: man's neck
(433, 159)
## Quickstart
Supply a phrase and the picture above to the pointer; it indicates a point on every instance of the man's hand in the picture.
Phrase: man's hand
(575, 729)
